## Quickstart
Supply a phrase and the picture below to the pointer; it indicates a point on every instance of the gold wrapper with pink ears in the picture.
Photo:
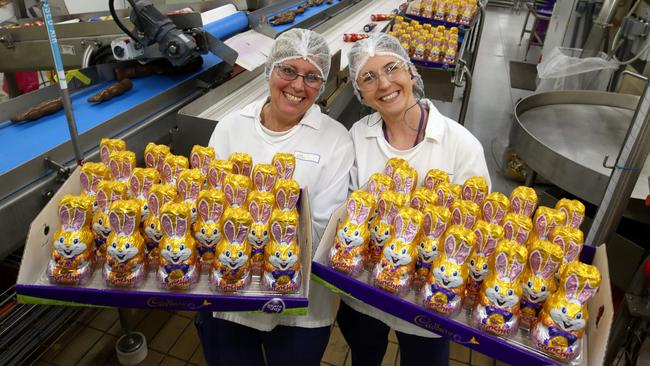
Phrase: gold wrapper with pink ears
(107, 146)
(154, 156)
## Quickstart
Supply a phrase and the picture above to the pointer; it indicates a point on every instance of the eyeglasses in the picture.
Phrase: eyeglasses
(370, 81)
(288, 73)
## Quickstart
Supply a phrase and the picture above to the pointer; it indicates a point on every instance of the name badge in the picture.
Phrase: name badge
(304, 156)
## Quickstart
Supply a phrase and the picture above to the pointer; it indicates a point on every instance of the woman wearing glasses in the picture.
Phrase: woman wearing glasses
(407, 126)
(286, 121)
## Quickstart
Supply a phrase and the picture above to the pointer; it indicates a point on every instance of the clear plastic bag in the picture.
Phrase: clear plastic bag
(563, 69)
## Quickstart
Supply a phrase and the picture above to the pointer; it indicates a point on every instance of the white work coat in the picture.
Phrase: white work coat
(446, 145)
(324, 157)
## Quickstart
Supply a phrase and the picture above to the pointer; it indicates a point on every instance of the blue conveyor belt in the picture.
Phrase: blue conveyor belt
(307, 14)
(20, 143)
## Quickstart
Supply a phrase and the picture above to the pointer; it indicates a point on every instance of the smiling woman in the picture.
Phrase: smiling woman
(287, 121)
(409, 127)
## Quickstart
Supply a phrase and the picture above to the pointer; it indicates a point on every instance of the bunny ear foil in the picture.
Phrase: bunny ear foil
(146, 187)
(515, 270)
(217, 211)
(529, 208)
(462, 253)
(467, 193)
(289, 234)
(167, 173)
(501, 265)
(456, 217)
(181, 226)
(254, 210)
(213, 178)
(126, 169)
(84, 181)
(149, 160)
(479, 247)
(241, 196)
(428, 182)
(115, 169)
(427, 224)
(351, 208)
(541, 225)
(549, 268)
(153, 204)
(195, 188)
(64, 217)
(364, 213)
(572, 252)
(571, 286)
(266, 213)
(258, 181)
(269, 183)
(450, 246)
(114, 220)
(411, 231)
(229, 192)
(490, 246)
(586, 293)
(229, 230)
(135, 185)
(204, 210)
(508, 231)
(281, 199)
(399, 225)
(166, 223)
(288, 172)
(195, 160)
(79, 219)
(105, 153)
(129, 225)
(102, 200)
(293, 199)
(515, 205)
(242, 232)
(392, 213)
(276, 231)
(488, 212)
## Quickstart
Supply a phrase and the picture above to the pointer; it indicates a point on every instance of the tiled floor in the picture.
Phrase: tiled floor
(172, 337)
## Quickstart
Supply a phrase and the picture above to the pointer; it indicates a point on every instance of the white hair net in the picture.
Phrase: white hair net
(381, 44)
(300, 44)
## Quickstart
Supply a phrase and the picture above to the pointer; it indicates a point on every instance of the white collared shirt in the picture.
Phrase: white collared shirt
(446, 145)
(324, 156)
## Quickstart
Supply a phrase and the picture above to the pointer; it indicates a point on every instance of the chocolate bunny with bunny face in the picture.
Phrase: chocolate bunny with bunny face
(281, 269)
(434, 224)
(487, 237)
(107, 192)
(381, 227)
(125, 265)
(159, 195)
(140, 182)
(178, 267)
(444, 290)
(189, 183)
(352, 236)
(231, 267)
(71, 257)
(538, 280)
(394, 271)
(497, 308)
(207, 228)
(562, 321)
(260, 206)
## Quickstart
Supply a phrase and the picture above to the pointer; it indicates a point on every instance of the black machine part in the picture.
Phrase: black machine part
(161, 37)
